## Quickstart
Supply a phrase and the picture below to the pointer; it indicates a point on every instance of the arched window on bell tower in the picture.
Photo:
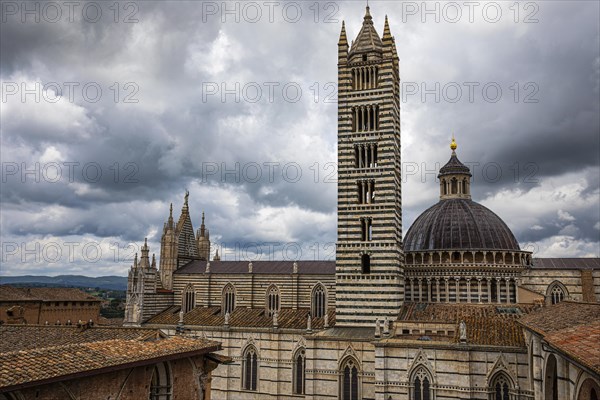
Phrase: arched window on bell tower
(365, 264)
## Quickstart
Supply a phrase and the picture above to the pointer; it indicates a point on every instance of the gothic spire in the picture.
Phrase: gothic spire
(144, 261)
(387, 33)
(185, 207)
(170, 223)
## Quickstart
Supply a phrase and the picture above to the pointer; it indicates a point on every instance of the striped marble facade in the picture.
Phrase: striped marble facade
(369, 183)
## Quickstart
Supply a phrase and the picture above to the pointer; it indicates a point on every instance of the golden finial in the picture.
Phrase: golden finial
(453, 145)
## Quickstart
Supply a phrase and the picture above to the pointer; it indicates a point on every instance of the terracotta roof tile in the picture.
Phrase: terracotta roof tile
(573, 328)
(241, 317)
(560, 316)
(22, 367)
(487, 324)
(259, 267)
(30, 354)
(582, 342)
(26, 337)
(566, 263)
(11, 293)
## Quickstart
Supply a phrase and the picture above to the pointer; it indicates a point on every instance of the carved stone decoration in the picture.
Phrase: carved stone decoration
(421, 360)
(275, 322)
(251, 342)
(226, 323)
(326, 321)
(349, 352)
(300, 344)
(377, 328)
(138, 315)
(502, 365)
(309, 324)
(295, 268)
(386, 327)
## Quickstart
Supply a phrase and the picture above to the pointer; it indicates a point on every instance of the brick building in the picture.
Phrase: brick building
(89, 363)
(52, 306)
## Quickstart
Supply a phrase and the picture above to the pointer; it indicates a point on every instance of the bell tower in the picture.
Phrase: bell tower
(369, 258)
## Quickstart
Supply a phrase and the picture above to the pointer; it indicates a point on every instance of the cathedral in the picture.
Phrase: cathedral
(454, 310)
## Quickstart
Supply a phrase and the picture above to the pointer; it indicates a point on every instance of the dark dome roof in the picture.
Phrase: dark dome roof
(454, 166)
(459, 224)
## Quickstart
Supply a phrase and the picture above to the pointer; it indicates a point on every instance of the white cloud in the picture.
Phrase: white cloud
(565, 216)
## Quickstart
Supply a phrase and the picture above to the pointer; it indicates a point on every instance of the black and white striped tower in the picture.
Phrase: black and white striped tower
(369, 258)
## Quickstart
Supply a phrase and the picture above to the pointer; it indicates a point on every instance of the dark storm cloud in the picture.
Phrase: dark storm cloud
(176, 134)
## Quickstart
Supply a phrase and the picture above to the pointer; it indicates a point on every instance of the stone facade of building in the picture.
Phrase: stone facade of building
(432, 317)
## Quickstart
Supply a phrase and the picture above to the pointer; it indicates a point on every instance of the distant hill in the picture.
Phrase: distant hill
(102, 282)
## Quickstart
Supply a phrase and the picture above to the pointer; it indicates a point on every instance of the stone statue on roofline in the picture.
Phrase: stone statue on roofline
(462, 329)
(138, 315)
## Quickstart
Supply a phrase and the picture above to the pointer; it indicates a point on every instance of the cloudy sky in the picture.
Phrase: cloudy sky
(109, 113)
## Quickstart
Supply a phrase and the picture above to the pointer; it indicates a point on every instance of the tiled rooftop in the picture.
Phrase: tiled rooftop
(328, 267)
(11, 293)
(490, 325)
(560, 316)
(259, 267)
(573, 328)
(241, 317)
(87, 352)
(566, 263)
(26, 337)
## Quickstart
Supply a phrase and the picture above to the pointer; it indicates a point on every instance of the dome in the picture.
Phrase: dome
(454, 166)
(460, 224)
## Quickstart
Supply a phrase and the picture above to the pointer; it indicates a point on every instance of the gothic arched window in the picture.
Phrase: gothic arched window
(161, 386)
(421, 382)
(272, 300)
(298, 374)
(228, 299)
(556, 293)
(500, 387)
(250, 369)
(319, 299)
(188, 299)
(349, 385)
